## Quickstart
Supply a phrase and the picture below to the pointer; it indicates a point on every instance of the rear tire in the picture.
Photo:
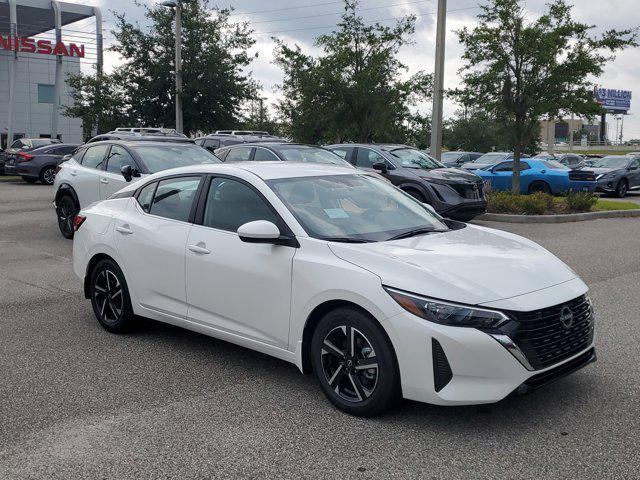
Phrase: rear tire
(622, 188)
(344, 343)
(47, 175)
(66, 210)
(110, 297)
(540, 186)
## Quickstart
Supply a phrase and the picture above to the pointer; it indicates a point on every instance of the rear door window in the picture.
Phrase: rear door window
(264, 155)
(174, 198)
(94, 156)
(239, 154)
(368, 158)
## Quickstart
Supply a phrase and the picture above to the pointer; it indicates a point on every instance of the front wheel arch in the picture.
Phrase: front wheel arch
(318, 313)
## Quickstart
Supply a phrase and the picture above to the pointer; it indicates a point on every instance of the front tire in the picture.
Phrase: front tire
(354, 363)
(66, 210)
(110, 297)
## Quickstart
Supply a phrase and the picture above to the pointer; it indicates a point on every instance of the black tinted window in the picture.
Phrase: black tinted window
(263, 155)
(231, 204)
(174, 198)
(212, 143)
(343, 152)
(94, 156)
(146, 195)
(118, 158)
(368, 158)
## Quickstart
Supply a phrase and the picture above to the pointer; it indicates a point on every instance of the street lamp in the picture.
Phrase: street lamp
(177, 6)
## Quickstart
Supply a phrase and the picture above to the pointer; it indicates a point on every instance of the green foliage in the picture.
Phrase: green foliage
(580, 201)
(98, 100)
(353, 89)
(142, 89)
(520, 70)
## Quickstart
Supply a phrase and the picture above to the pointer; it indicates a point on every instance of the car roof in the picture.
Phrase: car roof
(269, 143)
(136, 142)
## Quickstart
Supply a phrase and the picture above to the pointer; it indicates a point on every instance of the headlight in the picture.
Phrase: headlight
(446, 313)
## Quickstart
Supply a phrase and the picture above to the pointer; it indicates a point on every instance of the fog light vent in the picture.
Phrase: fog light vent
(441, 369)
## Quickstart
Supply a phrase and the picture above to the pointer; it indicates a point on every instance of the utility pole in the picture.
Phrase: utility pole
(621, 127)
(438, 82)
(571, 133)
(177, 6)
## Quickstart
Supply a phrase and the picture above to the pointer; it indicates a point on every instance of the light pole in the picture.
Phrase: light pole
(438, 82)
(177, 6)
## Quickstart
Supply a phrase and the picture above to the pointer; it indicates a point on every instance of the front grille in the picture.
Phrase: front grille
(582, 176)
(471, 191)
(544, 339)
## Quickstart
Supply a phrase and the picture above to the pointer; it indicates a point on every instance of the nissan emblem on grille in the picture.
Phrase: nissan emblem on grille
(566, 317)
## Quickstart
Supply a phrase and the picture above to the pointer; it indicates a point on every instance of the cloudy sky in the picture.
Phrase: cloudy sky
(300, 21)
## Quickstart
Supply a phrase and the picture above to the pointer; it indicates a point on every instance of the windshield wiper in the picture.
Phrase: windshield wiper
(414, 232)
(346, 239)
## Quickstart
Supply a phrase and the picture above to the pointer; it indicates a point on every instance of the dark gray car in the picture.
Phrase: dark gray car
(453, 192)
(279, 151)
(40, 163)
(23, 145)
(457, 159)
(616, 174)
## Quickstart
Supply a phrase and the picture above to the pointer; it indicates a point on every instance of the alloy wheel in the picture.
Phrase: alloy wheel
(349, 364)
(48, 176)
(108, 295)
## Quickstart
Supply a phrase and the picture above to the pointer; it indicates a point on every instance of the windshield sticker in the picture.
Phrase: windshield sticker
(336, 213)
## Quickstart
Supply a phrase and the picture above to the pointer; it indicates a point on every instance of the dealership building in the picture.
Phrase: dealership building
(41, 43)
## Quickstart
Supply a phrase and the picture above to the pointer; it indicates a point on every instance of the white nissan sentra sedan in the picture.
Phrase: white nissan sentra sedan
(341, 274)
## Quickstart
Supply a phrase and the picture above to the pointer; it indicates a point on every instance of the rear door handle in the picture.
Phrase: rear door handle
(124, 229)
(74, 173)
(104, 180)
(200, 248)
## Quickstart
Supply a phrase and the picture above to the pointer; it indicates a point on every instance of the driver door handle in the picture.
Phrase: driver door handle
(74, 173)
(200, 248)
(104, 180)
(124, 229)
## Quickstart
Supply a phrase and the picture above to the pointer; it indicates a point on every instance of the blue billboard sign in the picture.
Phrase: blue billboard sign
(613, 100)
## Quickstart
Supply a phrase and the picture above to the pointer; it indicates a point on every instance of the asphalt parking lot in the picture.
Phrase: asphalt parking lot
(78, 402)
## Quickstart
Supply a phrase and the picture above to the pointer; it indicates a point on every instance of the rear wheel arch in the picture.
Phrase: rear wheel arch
(66, 189)
(314, 319)
(540, 186)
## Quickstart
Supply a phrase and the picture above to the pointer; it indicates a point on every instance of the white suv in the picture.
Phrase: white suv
(96, 171)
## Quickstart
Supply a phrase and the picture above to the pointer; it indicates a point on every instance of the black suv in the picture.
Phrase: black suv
(454, 193)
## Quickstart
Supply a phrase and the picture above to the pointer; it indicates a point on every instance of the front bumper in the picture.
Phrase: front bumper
(449, 202)
(481, 368)
(607, 185)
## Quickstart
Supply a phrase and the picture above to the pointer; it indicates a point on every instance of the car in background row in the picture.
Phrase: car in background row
(153, 130)
(488, 159)
(154, 137)
(340, 274)
(279, 152)
(547, 176)
(218, 140)
(571, 160)
(616, 174)
(96, 171)
(39, 164)
(23, 145)
(457, 159)
(452, 192)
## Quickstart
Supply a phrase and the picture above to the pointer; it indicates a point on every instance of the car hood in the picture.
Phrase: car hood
(448, 175)
(472, 265)
(601, 170)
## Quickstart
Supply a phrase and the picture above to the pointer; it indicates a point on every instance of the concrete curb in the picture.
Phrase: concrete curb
(570, 217)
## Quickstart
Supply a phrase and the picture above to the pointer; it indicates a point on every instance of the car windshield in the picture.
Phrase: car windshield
(158, 158)
(304, 153)
(555, 165)
(611, 162)
(545, 156)
(450, 157)
(491, 158)
(354, 208)
(411, 158)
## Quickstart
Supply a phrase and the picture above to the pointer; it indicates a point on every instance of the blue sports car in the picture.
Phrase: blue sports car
(536, 175)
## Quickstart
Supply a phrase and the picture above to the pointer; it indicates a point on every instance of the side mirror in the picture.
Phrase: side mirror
(259, 231)
(128, 172)
(381, 167)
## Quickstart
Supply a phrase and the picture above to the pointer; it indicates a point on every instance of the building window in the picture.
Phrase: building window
(45, 93)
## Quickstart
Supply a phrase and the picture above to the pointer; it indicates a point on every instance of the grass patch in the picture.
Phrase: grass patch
(9, 178)
(543, 204)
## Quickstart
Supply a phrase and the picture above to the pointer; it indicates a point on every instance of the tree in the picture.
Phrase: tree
(353, 90)
(98, 100)
(520, 70)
